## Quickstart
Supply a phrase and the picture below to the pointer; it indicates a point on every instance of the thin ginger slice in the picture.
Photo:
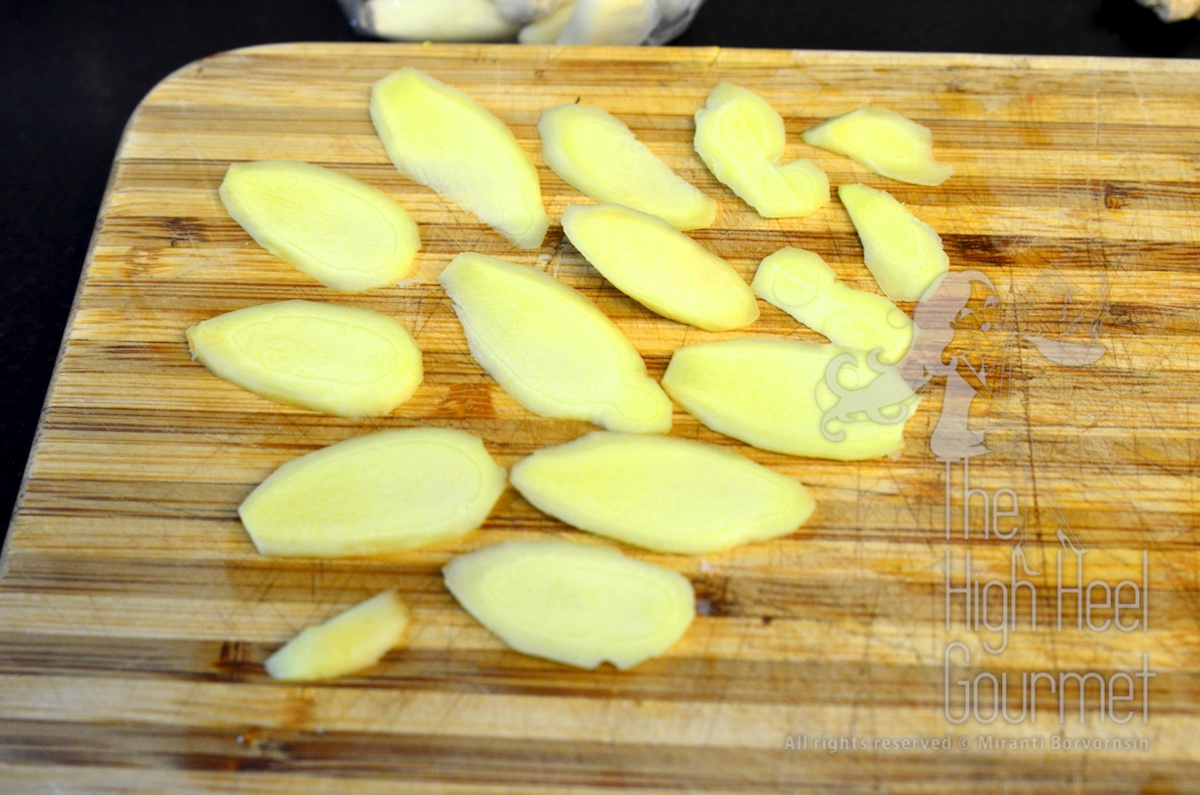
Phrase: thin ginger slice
(662, 493)
(444, 139)
(740, 137)
(334, 359)
(660, 267)
(887, 143)
(903, 253)
(576, 604)
(351, 641)
(773, 394)
(596, 153)
(801, 284)
(551, 348)
(380, 493)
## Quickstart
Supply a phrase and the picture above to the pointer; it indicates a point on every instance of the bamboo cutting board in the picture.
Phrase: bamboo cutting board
(135, 613)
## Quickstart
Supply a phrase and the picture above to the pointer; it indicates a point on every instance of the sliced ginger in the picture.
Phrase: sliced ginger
(660, 267)
(384, 492)
(437, 20)
(333, 359)
(662, 493)
(903, 253)
(345, 234)
(349, 642)
(576, 604)
(551, 348)
(889, 144)
(445, 140)
(773, 394)
(740, 137)
(597, 154)
(801, 284)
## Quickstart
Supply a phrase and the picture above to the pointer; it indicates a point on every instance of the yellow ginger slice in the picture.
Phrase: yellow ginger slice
(576, 604)
(662, 493)
(801, 284)
(596, 153)
(347, 235)
(333, 359)
(548, 28)
(740, 137)
(351, 641)
(443, 139)
(903, 253)
(889, 144)
(376, 494)
(614, 22)
(660, 267)
(773, 394)
(551, 348)
(437, 20)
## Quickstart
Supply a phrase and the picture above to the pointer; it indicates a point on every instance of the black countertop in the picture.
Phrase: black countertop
(72, 72)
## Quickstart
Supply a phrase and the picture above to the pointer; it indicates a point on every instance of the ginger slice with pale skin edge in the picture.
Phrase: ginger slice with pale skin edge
(576, 604)
(660, 267)
(551, 348)
(375, 494)
(741, 138)
(351, 641)
(597, 154)
(903, 253)
(662, 493)
(773, 394)
(334, 359)
(801, 284)
(345, 234)
(445, 140)
(887, 143)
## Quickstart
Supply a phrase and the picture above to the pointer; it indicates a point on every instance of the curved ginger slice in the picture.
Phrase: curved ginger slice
(903, 253)
(551, 348)
(333, 359)
(773, 394)
(598, 155)
(660, 267)
(347, 235)
(889, 144)
(576, 604)
(740, 137)
(662, 493)
(801, 284)
(447, 141)
(376, 494)
(352, 640)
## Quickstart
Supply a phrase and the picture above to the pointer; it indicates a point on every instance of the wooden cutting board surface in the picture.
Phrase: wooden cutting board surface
(135, 614)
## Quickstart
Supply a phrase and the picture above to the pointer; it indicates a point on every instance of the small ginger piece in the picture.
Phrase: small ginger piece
(660, 267)
(437, 20)
(662, 493)
(610, 22)
(596, 153)
(551, 348)
(889, 144)
(445, 140)
(576, 604)
(351, 641)
(903, 253)
(740, 137)
(801, 284)
(334, 359)
(380, 493)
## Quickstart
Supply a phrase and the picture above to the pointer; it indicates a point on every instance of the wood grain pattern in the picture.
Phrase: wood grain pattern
(135, 614)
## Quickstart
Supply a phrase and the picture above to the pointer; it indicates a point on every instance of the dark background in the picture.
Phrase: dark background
(72, 72)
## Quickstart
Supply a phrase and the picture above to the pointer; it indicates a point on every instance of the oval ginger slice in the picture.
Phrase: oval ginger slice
(597, 154)
(345, 234)
(889, 144)
(334, 359)
(662, 493)
(576, 604)
(551, 348)
(384, 492)
(352, 640)
(445, 140)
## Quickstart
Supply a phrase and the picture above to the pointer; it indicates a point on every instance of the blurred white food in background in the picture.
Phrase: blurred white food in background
(1173, 10)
